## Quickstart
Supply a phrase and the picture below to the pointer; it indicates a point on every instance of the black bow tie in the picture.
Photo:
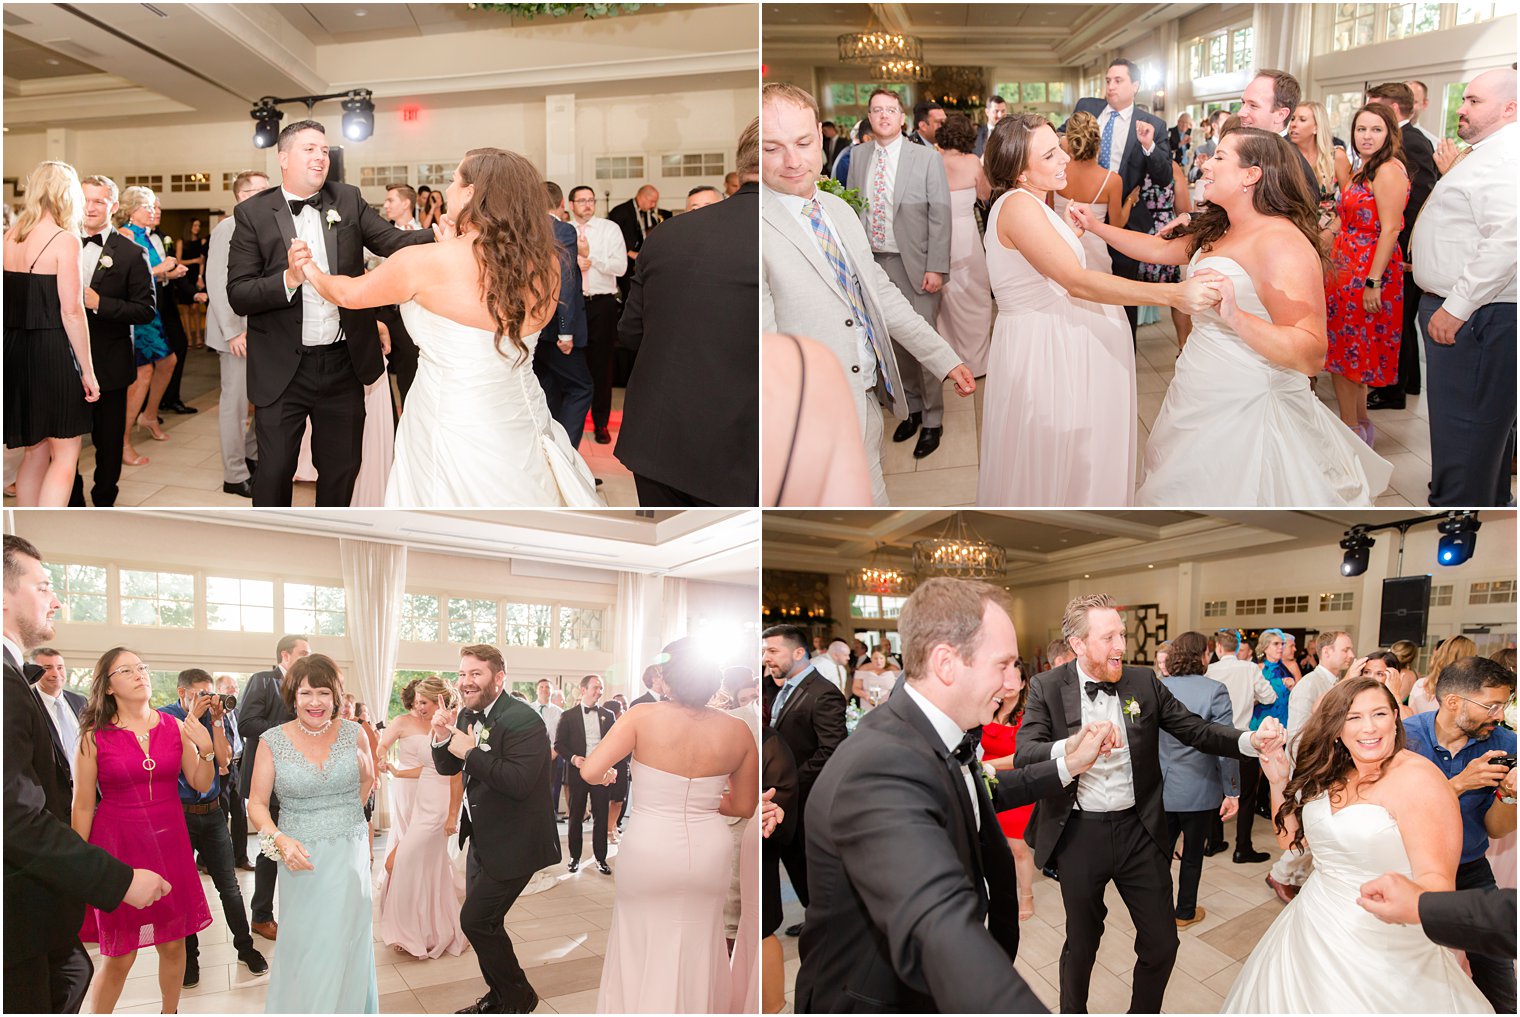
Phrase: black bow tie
(97, 239)
(296, 206)
(467, 719)
(965, 752)
(1096, 689)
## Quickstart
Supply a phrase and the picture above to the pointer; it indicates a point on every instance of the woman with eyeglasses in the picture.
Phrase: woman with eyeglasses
(136, 756)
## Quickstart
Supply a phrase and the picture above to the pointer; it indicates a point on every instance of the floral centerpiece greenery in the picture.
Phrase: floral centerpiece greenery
(849, 195)
(558, 10)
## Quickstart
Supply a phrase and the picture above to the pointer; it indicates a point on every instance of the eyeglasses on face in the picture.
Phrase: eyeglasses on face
(141, 669)
(1492, 709)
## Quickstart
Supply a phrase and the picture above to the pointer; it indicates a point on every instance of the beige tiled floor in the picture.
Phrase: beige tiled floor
(1238, 904)
(186, 470)
(948, 477)
(560, 936)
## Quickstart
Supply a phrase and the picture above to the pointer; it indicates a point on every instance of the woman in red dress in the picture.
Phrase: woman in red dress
(998, 740)
(1364, 291)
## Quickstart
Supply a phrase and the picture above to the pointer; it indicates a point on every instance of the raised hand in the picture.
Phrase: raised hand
(443, 724)
(1269, 735)
(965, 382)
(1356, 668)
(1446, 155)
(1275, 766)
(1145, 133)
(296, 259)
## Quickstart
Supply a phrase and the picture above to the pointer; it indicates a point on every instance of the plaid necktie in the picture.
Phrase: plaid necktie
(881, 200)
(1106, 144)
(835, 258)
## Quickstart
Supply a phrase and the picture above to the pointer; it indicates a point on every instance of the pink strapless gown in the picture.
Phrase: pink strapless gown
(666, 952)
(139, 820)
(419, 910)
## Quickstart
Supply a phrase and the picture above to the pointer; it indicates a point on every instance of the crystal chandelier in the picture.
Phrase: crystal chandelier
(876, 44)
(900, 70)
(881, 578)
(959, 553)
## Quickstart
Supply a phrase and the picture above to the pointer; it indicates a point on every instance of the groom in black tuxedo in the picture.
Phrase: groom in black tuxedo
(502, 747)
(1110, 825)
(1133, 153)
(306, 357)
(915, 900)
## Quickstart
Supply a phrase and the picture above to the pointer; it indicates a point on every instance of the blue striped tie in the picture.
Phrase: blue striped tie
(835, 258)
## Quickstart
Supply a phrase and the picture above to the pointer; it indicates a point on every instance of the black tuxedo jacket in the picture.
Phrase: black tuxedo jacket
(812, 725)
(256, 263)
(1420, 161)
(1137, 165)
(1054, 711)
(261, 708)
(908, 896)
(626, 216)
(1478, 921)
(50, 873)
(570, 735)
(647, 697)
(691, 413)
(126, 299)
(570, 313)
(510, 821)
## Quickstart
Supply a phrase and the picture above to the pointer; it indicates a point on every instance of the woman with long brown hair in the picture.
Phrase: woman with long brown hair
(477, 430)
(1241, 393)
(1366, 805)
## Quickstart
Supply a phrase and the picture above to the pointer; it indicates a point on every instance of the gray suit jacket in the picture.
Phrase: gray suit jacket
(1192, 781)
(920, 206)
(222, 322)
(798, 294)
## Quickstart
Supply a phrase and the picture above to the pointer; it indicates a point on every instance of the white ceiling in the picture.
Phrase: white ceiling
(713, 545)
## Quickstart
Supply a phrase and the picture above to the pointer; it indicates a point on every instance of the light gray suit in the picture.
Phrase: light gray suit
(921, 228)
(799, 294)
(1192, 781)
(222, 323)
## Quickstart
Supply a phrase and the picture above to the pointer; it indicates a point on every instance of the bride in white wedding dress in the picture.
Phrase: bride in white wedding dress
(1365, 805)
(1241, 424)
(476, 430)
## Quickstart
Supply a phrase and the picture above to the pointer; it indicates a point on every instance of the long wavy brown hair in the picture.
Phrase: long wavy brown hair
(519, 265)
(1282, 191)
(1393, 144)
(1323, 764)
(100, 710)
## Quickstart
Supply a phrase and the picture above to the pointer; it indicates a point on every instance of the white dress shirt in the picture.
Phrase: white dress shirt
(1464, 239)
(1246, 685)
(951, 734)
(319, 319)
(608, 254)
(865, 356)
(550, 715)
(1120, 140)
(887, 156)
(592, 720)
(90, 257)
(61, 714)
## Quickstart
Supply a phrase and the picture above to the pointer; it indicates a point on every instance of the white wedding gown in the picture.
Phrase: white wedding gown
(1325, 954)
(1236, 429)
(476, 430)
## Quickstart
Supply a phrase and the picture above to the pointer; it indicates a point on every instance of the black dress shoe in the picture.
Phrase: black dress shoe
(1248, 856)
(254, 960)
(1209, 850)
(243, 488)
(603, 436)
(574, 866)
(485, 1004)
(794, 930)
(1050, 873)
(603, 868)
(1379, 400)
(908, 428)
(527, 1004)
(928, 441)
(180, 408)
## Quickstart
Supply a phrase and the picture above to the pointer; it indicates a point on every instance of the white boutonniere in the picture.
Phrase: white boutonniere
(482, 737)
(332, 217)
(104, 262)
(1132, 708)
(989, 778)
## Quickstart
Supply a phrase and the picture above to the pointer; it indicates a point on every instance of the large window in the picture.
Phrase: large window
(1362, 24)
(1411, 19)
(691, 164)
(164, 599)
(527, 624)
(580, 628)
(471, 620)
(1228, 49)
(1454, 93)
(419, 617)
(82, 591)
(620, 167)
(239, 605)
(868, 605)
(1032, 92)
(316, 610)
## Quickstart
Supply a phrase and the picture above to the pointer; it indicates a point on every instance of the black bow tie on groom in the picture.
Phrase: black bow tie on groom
(97, 239)
(965, 752)
(296, 206)
(1096, 689)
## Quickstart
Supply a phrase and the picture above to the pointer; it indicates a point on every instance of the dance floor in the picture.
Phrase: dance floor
(948, 477)
(187, 469)
(560, 936)
(1239, 907)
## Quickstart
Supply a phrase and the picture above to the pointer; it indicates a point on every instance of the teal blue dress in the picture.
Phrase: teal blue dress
(326, 957)
(149, 345)
(1274, 672)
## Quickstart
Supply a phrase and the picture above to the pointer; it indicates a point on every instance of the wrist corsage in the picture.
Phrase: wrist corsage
(267, 848)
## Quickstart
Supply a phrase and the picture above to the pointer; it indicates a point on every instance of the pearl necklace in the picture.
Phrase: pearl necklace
(319, 731)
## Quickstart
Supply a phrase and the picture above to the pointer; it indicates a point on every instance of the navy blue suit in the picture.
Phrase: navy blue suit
(565, 377)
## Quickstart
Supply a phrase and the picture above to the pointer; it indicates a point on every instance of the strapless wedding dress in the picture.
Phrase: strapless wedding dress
(1228, 404)
(1325, 954)
(476, 430)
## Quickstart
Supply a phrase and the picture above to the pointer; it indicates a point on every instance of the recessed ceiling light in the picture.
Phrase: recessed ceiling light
(361, 12)
(1086, 575)
(1150, 566)
(53, 63)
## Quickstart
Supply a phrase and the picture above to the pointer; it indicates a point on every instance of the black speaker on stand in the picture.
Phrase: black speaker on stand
(1405, 609)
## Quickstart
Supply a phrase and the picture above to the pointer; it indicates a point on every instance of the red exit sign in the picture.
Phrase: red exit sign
(411, 114)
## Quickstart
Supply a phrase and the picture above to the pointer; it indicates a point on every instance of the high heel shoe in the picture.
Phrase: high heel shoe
(153, 429)
(1026, 911)
(129, 457)
(1369, 432)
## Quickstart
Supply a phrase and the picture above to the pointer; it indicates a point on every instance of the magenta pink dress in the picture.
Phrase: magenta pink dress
(139, 820)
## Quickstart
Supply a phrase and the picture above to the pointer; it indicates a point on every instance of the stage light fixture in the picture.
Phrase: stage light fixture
(358, 115)
(1356, 544)
(1459, 538)
(267, 117)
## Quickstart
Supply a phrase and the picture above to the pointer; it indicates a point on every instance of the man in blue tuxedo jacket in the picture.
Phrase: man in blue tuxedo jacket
(559, 360)
(1123, 149)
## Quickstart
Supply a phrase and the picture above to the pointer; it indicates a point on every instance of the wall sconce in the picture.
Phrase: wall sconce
(1158, 101)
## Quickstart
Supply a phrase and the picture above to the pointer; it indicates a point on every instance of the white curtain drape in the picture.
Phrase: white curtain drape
(673, 624)
(1282, 36)
(374, 580)
(629, 652)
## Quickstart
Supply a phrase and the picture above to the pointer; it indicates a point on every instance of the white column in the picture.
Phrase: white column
(559, 140)
(61, 145)
(1185, 613)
